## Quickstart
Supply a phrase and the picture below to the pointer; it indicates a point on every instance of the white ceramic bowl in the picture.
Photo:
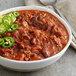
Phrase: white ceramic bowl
(34, 65)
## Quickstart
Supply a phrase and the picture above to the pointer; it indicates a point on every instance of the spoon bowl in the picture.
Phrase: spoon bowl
(48, 2)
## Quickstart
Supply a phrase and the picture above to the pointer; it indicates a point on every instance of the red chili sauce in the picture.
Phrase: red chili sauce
(40, 35)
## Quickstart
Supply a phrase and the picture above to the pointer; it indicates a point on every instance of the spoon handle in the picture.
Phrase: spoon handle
(59, 12)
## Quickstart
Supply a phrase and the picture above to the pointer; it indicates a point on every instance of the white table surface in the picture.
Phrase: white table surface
(65, 66)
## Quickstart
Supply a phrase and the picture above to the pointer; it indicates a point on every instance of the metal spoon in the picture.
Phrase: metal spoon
(52, 3)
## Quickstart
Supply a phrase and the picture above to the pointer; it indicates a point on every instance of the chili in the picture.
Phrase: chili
(35, 35)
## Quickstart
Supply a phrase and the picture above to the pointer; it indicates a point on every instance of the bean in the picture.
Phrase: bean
(33, 41)
(45, 52)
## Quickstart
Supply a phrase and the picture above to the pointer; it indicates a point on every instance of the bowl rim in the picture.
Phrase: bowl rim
(42, 9)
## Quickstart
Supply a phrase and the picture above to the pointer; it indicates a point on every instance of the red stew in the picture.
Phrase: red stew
(40, 35)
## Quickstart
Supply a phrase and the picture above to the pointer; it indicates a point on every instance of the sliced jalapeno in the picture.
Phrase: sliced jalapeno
(13, 27)
(1, 16)
(16, 14)
(1, 41)
(3, 28)
(8, 42)
(13, 17)
(7, 19)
